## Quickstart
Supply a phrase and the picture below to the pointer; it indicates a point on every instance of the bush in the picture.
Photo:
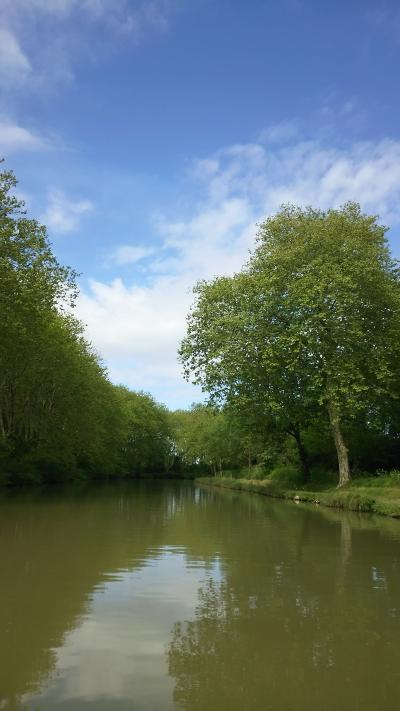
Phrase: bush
(287, 475)
(257, 472)
(382, 478)
(390, 478)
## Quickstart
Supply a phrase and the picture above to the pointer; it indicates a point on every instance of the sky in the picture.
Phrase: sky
(151, 136)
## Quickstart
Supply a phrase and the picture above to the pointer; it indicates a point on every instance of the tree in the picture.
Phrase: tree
(34, 289)
(148, 441)
(205, 436)
(60, 417)
(310, 325)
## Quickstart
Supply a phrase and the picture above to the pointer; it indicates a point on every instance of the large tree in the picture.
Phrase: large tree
(310, 325)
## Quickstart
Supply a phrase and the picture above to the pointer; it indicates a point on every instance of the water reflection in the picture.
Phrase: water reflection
(56, 551)
(117, 652)
(152, 596)
(295, 621)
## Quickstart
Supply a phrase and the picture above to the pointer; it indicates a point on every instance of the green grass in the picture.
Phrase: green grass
(380, 494)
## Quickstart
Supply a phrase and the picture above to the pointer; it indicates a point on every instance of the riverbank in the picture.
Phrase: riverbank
(366, 495)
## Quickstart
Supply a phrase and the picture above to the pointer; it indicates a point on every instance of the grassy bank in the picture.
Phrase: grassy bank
(379, 495)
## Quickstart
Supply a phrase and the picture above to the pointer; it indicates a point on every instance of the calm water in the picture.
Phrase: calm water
(167, 596)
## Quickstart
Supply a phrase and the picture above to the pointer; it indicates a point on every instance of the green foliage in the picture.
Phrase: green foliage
(60, 417)
(287, 475)
(216, 439)
(256, 472)
(308, 331)
(148, 445)
(355, 497)
(381, 479)
(301, 345)
(204, 438)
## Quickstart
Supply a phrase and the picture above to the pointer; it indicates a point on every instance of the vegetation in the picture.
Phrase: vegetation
(364, 494)
(298, 352)
(208, 439)
(304, 341)
(60, 417)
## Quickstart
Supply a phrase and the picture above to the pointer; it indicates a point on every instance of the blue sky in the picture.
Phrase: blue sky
(151, 135)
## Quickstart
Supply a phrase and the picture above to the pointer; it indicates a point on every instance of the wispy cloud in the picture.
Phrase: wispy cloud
(130, 254)
(138, 327)
(14, 64)
(385, 17)
(279, 132)
(63, 215)
(43, 40)
(14, 137)
(123, 14)
(136, 19)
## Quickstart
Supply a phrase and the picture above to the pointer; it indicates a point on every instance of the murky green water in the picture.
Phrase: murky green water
(154, 597)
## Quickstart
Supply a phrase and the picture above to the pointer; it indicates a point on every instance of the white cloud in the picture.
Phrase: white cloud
(63, 214)
(134, 308)
(138, 327)
(366, 172)
(16, 138)
(137, 330)
(130, 254)
(134, 640)
(58, 33)
(14, 64)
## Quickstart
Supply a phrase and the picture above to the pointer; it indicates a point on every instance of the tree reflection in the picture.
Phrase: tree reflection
(302, 621)
(56, 548)
(297, 607)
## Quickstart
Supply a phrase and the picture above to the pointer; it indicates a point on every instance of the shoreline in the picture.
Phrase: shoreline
(348, 498)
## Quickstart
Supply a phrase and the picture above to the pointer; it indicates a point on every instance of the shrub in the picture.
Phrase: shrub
(287, 475)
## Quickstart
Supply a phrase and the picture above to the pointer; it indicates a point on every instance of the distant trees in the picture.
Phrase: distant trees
(148, 443)
(204, 438)
(60, 417)
(310, 328)
(214, 440)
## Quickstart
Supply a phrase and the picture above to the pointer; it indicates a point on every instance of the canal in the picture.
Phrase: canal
(153, 596)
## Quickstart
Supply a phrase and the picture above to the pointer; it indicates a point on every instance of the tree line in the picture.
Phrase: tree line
(60, 416)
(298, 354)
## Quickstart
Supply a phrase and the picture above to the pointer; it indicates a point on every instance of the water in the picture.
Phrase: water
(155, 596)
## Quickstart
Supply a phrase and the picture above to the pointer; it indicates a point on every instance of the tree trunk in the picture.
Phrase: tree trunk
(341, 449)
(295, 432)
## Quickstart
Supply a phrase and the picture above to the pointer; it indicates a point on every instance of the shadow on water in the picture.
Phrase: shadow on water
(208, 599)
